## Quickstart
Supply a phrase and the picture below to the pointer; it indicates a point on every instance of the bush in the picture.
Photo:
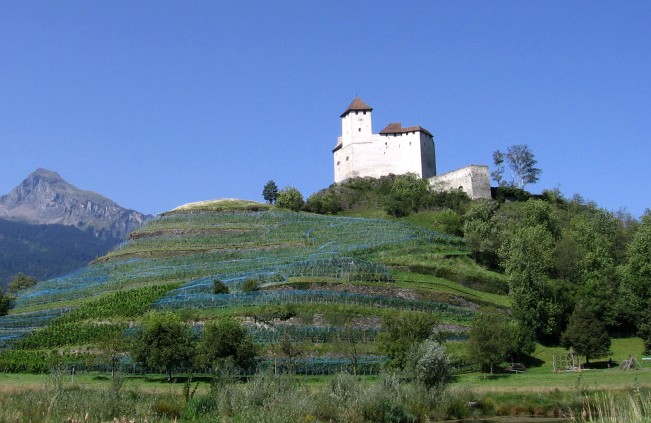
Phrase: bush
(219, 287)
(324, 202)
(430, 364)
(290, 198)
(250, 285)
(6, 302)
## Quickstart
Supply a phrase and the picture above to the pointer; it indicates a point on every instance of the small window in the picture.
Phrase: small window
(359, 129)
(346, 158)
(364, 112)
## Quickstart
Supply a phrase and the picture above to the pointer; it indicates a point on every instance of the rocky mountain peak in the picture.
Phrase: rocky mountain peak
(44, 197)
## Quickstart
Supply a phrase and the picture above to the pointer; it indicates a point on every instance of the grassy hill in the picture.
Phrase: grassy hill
(316, 276)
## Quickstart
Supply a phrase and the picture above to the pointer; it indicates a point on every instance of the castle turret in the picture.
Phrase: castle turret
(356, 124)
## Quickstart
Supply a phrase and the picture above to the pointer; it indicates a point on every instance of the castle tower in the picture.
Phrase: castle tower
(356, 125)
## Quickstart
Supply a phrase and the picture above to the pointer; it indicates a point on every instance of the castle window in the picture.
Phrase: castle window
(359, 129)
(346, 158)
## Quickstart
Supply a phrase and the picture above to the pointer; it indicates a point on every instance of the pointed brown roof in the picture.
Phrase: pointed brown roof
(357, 105)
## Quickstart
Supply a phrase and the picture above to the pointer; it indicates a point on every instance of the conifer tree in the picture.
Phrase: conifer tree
(586, 334)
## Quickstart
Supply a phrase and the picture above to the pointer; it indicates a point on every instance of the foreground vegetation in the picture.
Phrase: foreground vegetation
(284, 398)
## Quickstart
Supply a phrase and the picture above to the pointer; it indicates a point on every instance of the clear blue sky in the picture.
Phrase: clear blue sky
(158, 103)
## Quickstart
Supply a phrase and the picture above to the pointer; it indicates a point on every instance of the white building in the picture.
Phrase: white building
(397, 150)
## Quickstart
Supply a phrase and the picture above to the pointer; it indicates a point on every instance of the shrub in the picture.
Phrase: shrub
(430, 364)
(250, 285)
(219, 287)
(290, 198)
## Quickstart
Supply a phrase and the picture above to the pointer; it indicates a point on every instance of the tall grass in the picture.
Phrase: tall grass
(608, 407)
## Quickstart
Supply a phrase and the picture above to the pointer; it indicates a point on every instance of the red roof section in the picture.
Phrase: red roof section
(396, 128)
(357, 105)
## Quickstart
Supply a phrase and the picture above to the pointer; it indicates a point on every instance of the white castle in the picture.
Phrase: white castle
(397, 150)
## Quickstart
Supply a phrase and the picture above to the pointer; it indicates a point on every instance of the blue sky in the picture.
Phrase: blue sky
(158, 103)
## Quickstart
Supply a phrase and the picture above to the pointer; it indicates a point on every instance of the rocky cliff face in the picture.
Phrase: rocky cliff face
(45, 198)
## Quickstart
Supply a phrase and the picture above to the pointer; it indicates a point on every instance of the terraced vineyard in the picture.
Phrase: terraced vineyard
(316, 276)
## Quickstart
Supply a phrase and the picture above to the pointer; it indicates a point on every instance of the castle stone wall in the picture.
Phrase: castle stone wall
(474, 180)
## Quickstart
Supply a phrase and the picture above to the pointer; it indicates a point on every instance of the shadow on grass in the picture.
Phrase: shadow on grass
(162, 379)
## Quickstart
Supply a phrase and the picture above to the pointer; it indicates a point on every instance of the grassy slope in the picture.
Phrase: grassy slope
(234, 240)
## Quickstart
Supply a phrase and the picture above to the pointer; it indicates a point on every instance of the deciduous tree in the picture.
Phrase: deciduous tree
(489, 338)
(400, 333)
(226, 338)
(164, 342)
(521, 162)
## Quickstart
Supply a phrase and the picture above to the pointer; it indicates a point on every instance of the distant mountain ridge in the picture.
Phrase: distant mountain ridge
(44, 197)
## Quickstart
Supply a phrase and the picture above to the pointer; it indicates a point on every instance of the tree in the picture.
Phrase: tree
(163, 342)
(21, 281)
(522, 164)
(481, 232)
(400, 332)
(429, 364)
(270, 192)
(6, 301)
(290, 198)
(223, 339)
(489, 338)
(637, 269)
(586, 334)
(644, 331)
(498, 173)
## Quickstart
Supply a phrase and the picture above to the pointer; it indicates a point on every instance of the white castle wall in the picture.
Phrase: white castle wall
(474, 180)
(359, 152)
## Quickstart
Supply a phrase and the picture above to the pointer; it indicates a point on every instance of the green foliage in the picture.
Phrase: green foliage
(399, 333)
(223, 339)
(645, 332)
(121, 304)
(219, 287)
(637, 269)
(503, 194)
(481, 232)
(250, 285)
(489, 339)
(164, 342)
(527, 256)
(408, 194)
(324, 202)
(520, 161)
(270, 192)
(586, 334)
(6, 302)
(21, 281)
(429, 363)
(77, 333)
(290, 198)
